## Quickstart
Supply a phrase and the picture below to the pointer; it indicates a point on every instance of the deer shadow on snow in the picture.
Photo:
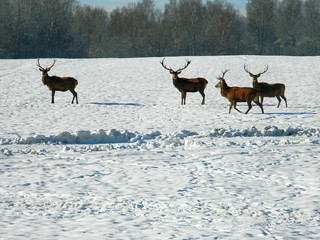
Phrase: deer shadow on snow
(291, 113)
(281, 113)
(116, 104)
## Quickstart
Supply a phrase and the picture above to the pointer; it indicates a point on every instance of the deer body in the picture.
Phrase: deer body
(55, 83)
(270, 90)
(266, 89)
(59, 83)
(185, 85)
(238, 94)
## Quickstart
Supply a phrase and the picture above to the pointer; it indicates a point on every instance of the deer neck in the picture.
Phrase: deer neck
(255, 83)
(174, 77)
(224, 88)
(45, 78)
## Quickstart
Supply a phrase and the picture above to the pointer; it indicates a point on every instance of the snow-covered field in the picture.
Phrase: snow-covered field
(130, 162)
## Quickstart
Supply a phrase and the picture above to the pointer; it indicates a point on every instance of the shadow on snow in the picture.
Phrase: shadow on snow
(116, 104)
(290, 113)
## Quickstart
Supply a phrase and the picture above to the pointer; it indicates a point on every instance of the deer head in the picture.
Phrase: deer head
(45, 70)
(221, 79)
(255, 76)
(177, 72)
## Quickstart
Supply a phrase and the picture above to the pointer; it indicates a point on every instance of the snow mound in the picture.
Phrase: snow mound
(268, 131)
(101, 136)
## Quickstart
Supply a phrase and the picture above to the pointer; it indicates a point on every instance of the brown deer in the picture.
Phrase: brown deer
(265, 89)
(238, 94)
(55, 83)
(185, 85)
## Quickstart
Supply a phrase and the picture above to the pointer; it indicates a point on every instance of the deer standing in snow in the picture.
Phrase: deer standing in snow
(238, 94)
(185, 85)
(266, 89)
(55, 83)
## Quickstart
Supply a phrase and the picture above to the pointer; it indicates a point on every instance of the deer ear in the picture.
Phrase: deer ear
(258, 75)
(171, 72)
(178, 72)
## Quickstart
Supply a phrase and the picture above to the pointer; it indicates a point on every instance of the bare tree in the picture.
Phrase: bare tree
(173, 27)
(287, 25)
(64, 28)
(309, 39)
(56, 27)
(223, 28)
(259, 16)
(131, 28)
(91, 30)
(191, 13)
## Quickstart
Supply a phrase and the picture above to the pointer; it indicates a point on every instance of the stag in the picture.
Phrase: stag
(238, 94)
(265, 89)
(185, 85)
(55, 83)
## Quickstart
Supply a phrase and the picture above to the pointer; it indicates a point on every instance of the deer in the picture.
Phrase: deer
(238, 94)
(266, 89)
(55, 83)
(185, 85)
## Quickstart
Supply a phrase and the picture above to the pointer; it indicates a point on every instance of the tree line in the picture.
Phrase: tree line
(64, 28)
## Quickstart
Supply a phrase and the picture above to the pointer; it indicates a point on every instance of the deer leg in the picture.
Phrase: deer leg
(203, 97)
(260, 105)
(285, 99)
(75, 96)
(235, 107)
(231, 104)
(249, 107)
(183, 98)
(52, 95)
(279, 101)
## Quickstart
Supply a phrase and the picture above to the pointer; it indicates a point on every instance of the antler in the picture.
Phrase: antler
(38, 64)
(163, 65)
(54, 61)
(179, 70)
(264, 71)
(48, 68)
(223, 73)
(185, 66)
(245, 68)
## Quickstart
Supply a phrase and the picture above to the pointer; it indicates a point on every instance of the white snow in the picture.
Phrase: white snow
(130, 162)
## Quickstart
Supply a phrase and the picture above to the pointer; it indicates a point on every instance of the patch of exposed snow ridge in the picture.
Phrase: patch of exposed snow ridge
(101, 136)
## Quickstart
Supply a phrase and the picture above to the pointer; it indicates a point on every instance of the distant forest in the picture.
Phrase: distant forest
(64, 28)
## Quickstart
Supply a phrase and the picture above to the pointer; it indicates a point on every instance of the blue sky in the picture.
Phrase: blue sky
(109, 5)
